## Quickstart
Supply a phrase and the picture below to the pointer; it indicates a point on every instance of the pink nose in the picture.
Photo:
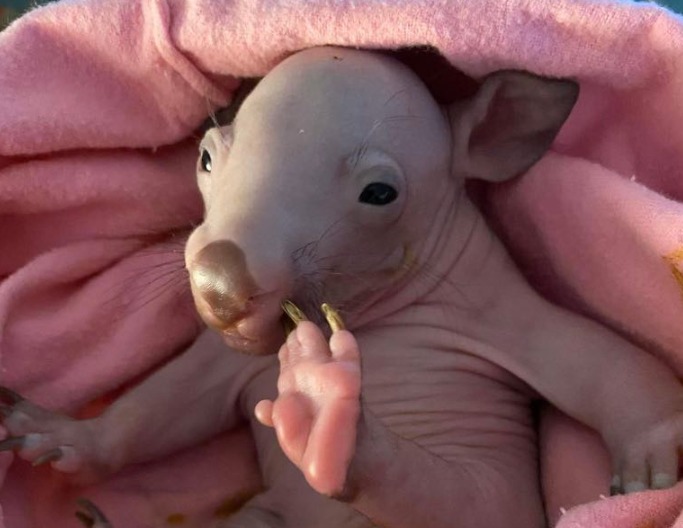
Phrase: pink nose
(222, 282)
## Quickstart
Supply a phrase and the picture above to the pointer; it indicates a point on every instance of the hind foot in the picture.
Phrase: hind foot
(316, 412)
(41, 436)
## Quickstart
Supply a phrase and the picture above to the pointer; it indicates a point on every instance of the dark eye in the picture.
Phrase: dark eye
(378, 194)
(205, 161)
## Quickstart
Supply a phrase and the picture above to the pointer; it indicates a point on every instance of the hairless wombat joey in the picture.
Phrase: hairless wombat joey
(341, 181)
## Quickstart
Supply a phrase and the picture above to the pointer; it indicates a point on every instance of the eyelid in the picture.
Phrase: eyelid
(381, 173)
(208, 143)
(366, 156)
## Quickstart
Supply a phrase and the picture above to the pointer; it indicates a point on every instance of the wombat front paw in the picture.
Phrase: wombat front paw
(316, 412)
(649, 459)
(41, 436)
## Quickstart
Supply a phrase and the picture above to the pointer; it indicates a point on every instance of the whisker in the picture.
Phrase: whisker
(156, 293)
(396, 94)
(360, 151)
(310, 249)
(137, 276)
(133, 284)
(154, 289)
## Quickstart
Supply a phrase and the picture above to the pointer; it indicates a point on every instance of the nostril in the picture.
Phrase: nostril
(221, 280)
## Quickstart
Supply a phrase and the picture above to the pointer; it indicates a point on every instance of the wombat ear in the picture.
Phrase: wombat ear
(509, 123)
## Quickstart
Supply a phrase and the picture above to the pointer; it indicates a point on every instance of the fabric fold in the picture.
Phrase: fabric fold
(100, 101)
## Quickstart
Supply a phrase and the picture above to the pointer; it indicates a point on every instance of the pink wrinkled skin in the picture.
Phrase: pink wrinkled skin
(605, 259)
(422, 412)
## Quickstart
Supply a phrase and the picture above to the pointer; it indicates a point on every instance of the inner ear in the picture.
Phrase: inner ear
(509, 124)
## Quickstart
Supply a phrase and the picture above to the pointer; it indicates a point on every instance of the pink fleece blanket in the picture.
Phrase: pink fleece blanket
(98, 103)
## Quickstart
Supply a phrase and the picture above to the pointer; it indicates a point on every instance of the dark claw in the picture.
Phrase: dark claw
(50, 456)
(92, 515)
(12, 443)
(9, 396)
(85, 519)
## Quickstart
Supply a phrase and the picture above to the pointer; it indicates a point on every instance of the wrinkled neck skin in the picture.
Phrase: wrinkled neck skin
(463, 269)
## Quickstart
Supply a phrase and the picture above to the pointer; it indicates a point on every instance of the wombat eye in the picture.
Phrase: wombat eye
(378, 194)
(205, 161)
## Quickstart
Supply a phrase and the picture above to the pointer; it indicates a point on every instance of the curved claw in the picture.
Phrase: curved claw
(11, 443)
(9, 396)
(333, 318)
(85, 519)
(51, 456)
(92, 516)
(293, 312)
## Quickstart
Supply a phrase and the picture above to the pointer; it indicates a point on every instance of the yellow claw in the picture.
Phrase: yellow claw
(287, 325)
(293, 312)
(333, 318)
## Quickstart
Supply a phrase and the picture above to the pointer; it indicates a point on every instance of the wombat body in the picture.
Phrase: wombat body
(341, 180)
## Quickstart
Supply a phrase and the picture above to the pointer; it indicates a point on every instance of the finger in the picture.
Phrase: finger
(264, 412)
(331, 446)
(311, 344)
(344, 346)
(293, 420)
(283, 355)
(71, 460)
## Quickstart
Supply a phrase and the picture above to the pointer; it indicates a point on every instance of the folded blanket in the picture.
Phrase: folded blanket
(99, 101)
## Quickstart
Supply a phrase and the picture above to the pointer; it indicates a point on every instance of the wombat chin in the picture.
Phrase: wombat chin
(262, 346)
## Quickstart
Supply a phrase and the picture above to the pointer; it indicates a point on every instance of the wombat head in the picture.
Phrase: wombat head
(335, 175)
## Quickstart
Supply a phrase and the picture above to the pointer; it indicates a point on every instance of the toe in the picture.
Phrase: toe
(635, 475)
(70, 461)
(312, 342)
(344, 346)
(664, 468)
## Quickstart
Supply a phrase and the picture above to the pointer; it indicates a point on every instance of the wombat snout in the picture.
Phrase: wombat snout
(222, 284)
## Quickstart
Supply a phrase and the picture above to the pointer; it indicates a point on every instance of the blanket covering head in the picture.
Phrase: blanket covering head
(99, 101)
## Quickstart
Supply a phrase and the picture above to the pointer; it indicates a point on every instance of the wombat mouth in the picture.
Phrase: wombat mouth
(294, 315)
(265, 337)
(243, 344)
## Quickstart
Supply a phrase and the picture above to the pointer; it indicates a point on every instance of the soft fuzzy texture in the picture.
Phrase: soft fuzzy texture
(99, 101)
